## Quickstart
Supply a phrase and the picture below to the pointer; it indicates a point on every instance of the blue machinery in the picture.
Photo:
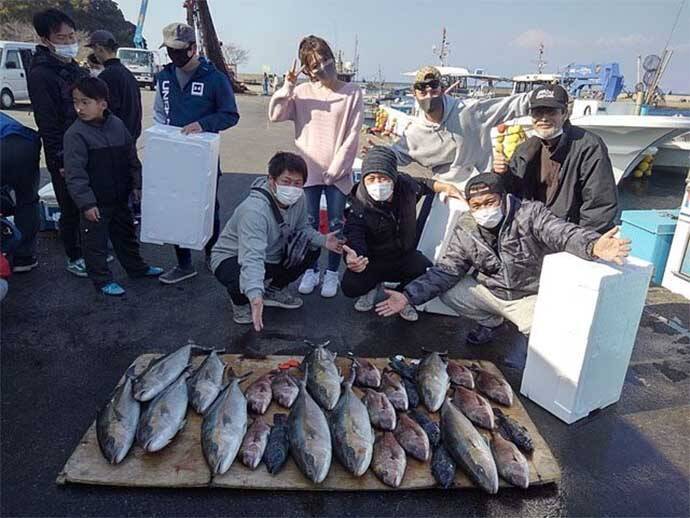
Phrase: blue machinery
(603, 77)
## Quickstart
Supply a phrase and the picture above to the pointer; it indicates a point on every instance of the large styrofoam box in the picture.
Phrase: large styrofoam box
(179, 186)
(651, 232)
(585, 322)
(677, 274)
(434, 240)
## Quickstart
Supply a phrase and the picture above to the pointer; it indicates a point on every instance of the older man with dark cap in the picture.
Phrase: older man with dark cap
(503, 240)
(565, 167)
(381, 229)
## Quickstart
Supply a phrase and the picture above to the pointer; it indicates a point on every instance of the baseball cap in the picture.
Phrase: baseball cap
(549, 96)
(427, 73)
(178, 36)
(491, 183)
(101, 37)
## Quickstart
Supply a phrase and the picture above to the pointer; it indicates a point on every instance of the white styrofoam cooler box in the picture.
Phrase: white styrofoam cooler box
(676, 277)
(585, 322)
(434, 240)
(180, 173)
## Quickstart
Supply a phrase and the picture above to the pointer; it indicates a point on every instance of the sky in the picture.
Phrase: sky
(500, 36)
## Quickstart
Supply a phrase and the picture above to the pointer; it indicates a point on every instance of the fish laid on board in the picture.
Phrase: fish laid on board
(433, 432)
(164, 416)
(254, 443)
(393, 388)
(160, 373)
(475, 407)
(116, 423)
(310, 438)
(412, 438)
(511, 463)
(206, 382)
(513, 431)
(460, 375)
(443, 466)
(468, 448)
(412, 392)
(351, 432)
(389, 461)
(404, 369)
(278, 446)
(368, 374)
(224, 426)
(285, 389)
(323, 379)
(381, 411)
(432, 381)
(492, 386)
(259, 394)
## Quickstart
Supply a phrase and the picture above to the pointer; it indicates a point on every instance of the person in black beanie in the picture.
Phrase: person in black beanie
(381, 229)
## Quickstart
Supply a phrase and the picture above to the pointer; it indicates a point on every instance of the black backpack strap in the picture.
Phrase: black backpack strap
(272, 203)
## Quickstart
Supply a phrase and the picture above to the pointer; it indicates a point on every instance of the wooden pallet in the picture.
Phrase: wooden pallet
(182, 464)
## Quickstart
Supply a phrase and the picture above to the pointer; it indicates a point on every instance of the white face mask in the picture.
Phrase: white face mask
(548, 135)
(488, 217)
(287, 194)
(380, 191)
(67, 51)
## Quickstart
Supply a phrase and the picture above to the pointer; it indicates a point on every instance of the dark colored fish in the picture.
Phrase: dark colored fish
(259, 394)
(443, 467)
(432, 381)
(412, 438)
(278, 445)
(512, 465)
(513, 431)
(492, 386)
(254, 443)
(412, 393)
(285, 389)
(460, 375)
(368, 375)
(431, 428)
(399, 365)
(475, 407)
(381, 411)
(116, 423)
(389, 460)
(393, 388)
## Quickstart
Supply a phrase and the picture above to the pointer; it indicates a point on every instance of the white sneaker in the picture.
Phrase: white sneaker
(330, 284)
(409, 313)
(366, 302)
(310, 280)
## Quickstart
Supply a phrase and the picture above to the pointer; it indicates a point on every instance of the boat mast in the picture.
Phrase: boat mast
(443, 50)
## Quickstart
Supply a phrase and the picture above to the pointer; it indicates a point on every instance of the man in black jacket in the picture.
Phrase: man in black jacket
(53, 71)
(565, 167)
(125, 97)
(381, 229)
(504, 240)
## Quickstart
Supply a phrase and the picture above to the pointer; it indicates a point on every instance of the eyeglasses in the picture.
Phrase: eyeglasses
(423, 85)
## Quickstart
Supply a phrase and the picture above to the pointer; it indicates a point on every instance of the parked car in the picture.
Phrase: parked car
(15, 60)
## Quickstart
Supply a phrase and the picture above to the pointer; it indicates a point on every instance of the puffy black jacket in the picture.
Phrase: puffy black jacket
(381, 230)
(101, 164)
(49, 83)
(125, 97)
(529, 232)
(586, 192)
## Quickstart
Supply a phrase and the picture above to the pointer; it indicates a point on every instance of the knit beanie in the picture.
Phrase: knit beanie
(380, 159)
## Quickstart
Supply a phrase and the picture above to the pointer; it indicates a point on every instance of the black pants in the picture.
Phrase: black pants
(117, 224)
(19, 164)
(69, 216)
(228, 273)
(403, 270)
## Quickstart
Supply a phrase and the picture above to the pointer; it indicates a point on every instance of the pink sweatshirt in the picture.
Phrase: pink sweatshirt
(327, 126)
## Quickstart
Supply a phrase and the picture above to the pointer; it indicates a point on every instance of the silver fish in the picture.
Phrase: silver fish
(164, 416)
(206, 382)
(116, 423)
(468, 448)
(412, 438)
(223, 427)
(511, 463)
(392, 387)
(323, 378)
(492, 386)
(368, 374)
(254, 443)
(285, 389)
(460, 375)
(161, 373)
(432, 381)
(475, 407)
(353, 437)
(259, 394)
(381, 411)
(310, 438)
(389, 461)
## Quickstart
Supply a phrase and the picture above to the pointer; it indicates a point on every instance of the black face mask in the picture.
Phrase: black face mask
(179, 57)
(430, 104)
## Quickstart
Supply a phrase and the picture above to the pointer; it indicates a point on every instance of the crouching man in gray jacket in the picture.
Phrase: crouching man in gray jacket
(504, 240)
(252, 247)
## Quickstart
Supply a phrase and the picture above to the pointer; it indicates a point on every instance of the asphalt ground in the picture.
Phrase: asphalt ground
(64, 347)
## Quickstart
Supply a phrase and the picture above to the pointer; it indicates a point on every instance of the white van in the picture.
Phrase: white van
(15, 60)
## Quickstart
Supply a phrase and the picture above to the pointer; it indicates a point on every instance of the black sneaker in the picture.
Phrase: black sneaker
(176, 275)
(481, 335)
(24, 264)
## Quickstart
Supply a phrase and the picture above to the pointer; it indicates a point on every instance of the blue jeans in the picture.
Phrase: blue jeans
(335, 201)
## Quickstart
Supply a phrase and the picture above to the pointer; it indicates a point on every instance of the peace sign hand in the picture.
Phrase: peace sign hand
(293, 73)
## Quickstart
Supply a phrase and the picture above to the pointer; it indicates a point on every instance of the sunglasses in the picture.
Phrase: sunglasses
(423, 85)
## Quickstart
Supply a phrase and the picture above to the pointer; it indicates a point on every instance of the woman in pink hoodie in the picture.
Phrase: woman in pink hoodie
(327, 114)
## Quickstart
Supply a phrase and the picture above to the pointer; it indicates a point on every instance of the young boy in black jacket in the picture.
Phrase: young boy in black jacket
(101, 170)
